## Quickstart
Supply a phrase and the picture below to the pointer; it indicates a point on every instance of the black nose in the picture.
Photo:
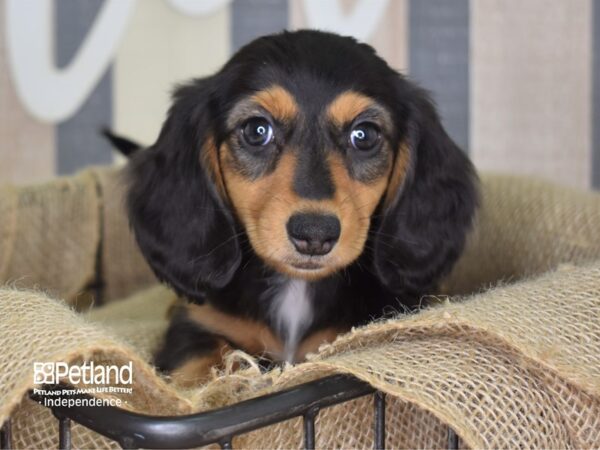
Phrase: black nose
(313, 234)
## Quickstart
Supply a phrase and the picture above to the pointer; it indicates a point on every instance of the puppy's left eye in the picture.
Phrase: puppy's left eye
(257, 132)
(365, 136)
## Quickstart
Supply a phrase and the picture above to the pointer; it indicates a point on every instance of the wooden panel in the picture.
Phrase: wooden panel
(78, 140)
(531, 88)
(26, 145)
(161, 48)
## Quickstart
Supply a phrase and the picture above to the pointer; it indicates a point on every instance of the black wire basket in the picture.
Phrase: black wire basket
(132, 430)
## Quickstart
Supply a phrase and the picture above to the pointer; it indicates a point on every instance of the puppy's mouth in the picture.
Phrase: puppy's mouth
(311, 267)
(307, 265)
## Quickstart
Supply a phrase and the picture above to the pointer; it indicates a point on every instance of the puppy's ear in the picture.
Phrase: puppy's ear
(181, 223)
(427, 215)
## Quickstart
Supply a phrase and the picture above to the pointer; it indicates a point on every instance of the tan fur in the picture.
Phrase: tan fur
(347, 106)
(196, 371)
(252, 337)
(398, 174)
(278, 102)
(265, 205)
(355, 202)
(210, 160)
(312, 343)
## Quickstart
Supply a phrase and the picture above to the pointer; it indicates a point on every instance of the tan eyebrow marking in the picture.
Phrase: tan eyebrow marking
(278, 102)
(346, 106)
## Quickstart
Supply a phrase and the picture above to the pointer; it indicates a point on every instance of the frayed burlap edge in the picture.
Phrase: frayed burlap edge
(382, 342)
(61, 335)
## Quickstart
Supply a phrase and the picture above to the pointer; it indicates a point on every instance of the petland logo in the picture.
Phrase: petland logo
(109, 380)
(87, 373)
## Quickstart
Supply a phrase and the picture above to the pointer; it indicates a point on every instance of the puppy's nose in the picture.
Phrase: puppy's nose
(313, 234)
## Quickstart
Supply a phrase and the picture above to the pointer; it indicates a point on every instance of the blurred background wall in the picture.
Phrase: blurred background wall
(517, 81)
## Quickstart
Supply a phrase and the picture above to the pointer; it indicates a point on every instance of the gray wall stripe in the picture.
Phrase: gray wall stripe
(596, 96)
(78, 142)
(439, 59)
(253, 18)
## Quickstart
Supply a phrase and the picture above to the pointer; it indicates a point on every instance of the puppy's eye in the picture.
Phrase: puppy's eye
(365, 136)
(257, 132)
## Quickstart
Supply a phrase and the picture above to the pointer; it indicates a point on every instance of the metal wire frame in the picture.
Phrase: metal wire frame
(132, 430)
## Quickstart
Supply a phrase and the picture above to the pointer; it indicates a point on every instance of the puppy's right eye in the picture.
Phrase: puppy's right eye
(257, 132)
(365, 136)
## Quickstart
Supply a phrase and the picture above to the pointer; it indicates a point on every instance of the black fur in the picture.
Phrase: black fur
(313, 179)
(425, 230)
(192, 241)
(189, 340)
(126, 146)
(180, 222)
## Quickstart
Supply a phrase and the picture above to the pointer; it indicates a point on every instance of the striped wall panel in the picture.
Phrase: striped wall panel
(595, 165)
(439, 59)
(253, 18)
(27, 150)
(162, 47)
(517, 83)
(78, 142)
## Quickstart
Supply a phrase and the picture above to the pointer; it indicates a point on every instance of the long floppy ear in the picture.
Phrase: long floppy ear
(423, 229)
(181, 223)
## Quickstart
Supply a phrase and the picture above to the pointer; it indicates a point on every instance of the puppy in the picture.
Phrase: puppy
(303, 189)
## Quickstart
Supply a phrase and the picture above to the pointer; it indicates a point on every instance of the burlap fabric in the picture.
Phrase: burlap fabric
(515, 365)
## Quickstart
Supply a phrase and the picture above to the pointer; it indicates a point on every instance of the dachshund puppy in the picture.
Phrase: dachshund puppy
(303, 189)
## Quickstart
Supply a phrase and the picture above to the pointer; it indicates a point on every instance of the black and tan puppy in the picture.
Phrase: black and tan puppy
(303, 189)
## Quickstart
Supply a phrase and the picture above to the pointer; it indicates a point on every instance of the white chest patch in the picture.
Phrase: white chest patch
(292, 314)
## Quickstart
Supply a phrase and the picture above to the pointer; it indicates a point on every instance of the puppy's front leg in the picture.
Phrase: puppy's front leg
(189, 351)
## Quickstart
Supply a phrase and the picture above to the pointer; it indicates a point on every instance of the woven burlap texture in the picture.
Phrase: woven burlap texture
(49, 234)
(517, 364)
(123, 268)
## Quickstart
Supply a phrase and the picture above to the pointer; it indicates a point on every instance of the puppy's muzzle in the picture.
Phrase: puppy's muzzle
(313, 234)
